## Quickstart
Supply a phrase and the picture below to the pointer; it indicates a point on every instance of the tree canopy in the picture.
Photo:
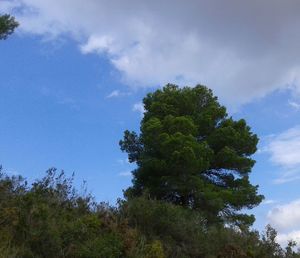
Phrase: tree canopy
(7, 25)
(191, 153)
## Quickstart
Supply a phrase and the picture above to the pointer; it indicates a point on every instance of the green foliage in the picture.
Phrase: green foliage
(190, 153)
(155, 250)
(50, 219)
(179, 229)
(289, 250)
(270, 248)
(185, 233)
(7, 25)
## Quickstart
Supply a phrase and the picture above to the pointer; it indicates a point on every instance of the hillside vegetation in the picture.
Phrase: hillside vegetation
(49, 218)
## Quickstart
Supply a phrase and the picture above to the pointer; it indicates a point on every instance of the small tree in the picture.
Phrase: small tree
(269, 247)
(190, 153)
(7, 25)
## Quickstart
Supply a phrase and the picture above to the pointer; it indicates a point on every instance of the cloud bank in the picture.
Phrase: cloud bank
(284, 150)
(241, 49)
(286, 219)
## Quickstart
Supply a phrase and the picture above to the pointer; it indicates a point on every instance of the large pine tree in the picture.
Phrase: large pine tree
(191, 153)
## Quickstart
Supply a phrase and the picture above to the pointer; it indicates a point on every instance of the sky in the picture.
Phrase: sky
(74, 74)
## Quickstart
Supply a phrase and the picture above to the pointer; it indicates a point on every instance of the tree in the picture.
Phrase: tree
(269, 247)
(7, 25)
(191, 153)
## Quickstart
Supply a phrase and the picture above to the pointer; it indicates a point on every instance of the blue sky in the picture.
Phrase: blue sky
(74, 74)
(55, 111)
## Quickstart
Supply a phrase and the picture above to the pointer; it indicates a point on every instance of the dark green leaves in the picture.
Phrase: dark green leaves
(7, 25)
(191, 153)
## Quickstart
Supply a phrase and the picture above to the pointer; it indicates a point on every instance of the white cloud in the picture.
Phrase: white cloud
(294, 104)
(268, 202)
(117, 93)
(97, 44)
(286, 220)
(284, 150)
(125, 173)
(7, 6)
(285, 217)
(217, 43)
(284, 238)
(139, 107)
